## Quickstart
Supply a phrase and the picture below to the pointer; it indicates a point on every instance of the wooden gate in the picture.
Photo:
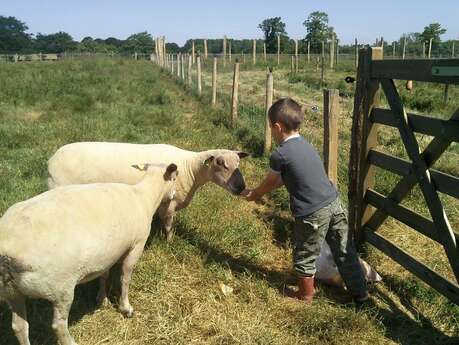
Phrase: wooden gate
(368, 209)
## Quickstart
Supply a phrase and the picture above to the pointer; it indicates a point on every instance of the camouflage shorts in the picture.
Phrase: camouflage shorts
(330, 224)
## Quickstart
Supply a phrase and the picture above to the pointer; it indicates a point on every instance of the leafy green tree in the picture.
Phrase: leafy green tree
(54, 43)
(88, 44)
(141, 42)
(114, 42)
(432, 31)
(13, 35)
(272, 27)
(317, 29)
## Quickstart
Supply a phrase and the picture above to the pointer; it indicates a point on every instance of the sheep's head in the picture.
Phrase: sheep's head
(224, 170)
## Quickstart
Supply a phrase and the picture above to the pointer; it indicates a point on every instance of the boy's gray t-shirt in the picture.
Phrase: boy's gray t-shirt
(303, 175)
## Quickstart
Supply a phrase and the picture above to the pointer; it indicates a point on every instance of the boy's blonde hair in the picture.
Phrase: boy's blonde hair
(288, 112)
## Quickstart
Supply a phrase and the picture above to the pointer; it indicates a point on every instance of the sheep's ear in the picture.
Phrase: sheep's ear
(141, 167)
(171, 172)
(242, 154)
(208, 161)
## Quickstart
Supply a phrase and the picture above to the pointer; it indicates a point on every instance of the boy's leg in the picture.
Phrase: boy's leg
(344, 252)
(308, 235)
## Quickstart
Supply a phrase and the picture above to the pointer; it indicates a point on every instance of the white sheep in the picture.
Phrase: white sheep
(74, 234)
(89, 162)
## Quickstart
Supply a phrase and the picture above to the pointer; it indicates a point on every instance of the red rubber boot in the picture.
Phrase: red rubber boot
(305, 290)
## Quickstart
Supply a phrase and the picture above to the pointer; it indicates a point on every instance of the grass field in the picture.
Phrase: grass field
(221, 238)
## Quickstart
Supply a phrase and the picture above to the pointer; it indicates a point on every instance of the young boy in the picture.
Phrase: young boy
(314, 202)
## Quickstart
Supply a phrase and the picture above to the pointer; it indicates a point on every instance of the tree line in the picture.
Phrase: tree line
(15, 38)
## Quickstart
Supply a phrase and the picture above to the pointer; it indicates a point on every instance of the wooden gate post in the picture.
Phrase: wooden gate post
(214, 83)
(331, 115)
(235, 93)
(268, 103)
(198, 59)
(363, 138)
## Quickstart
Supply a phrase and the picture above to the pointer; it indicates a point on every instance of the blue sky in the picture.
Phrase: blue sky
(179, 20)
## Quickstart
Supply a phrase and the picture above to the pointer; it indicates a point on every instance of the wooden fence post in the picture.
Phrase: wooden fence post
(234, 95)
(393, 49)
(363, 138)
(323, 50)
(193, 52)
(214, 83)
(297, 60)
(199, 75)
(190, 62)
(278, 50)
(452, 49)
(423, 49)
(205, 49)
(445, 94)
(224, 51)
(404, 48)
(382, 45)
(322, 72)
(356, 50)
(268, 103)
(309, 51)
(337, 52)
(135, 56)
(430, 47)
(183, 68)
(172, 64)
(179, 57)
(332, 51)
(229, 51)
(292, 65)
(264, 51)
(331, 115)
(254, 52)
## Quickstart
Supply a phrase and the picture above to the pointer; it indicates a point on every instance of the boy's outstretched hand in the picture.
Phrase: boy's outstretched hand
(250, 195)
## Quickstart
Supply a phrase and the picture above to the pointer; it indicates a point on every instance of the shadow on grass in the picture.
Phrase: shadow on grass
(399, 326)
(40, 316)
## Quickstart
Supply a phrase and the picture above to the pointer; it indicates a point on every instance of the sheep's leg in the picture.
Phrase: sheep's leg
(19, 322)
(102, 299)
(168, 221)
(61, 316)
(126, 273)
(167, 214)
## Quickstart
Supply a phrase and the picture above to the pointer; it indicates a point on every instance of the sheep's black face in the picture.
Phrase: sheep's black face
(225, 171)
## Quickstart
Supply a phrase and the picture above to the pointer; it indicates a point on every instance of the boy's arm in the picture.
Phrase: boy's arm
(272, 181)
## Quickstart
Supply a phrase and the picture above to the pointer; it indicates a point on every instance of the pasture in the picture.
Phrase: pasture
(221, 239)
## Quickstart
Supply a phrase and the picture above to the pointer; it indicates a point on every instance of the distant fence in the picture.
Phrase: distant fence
(368, 209)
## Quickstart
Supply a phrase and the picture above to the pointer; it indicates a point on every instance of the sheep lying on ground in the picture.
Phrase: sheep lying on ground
(327, 272)
(89, 162)
(74, 234)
